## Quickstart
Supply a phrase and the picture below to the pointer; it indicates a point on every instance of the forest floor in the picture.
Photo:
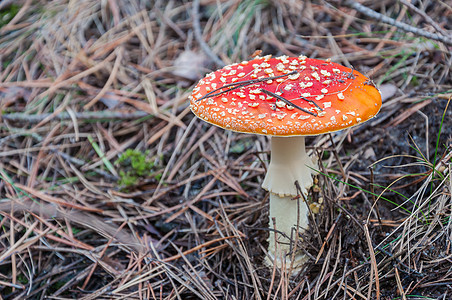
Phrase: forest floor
(110, 188)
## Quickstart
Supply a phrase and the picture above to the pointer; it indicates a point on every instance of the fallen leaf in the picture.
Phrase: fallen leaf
(387, 90)
(191, 65)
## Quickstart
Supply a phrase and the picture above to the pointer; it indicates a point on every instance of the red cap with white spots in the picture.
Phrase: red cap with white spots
(285, 96)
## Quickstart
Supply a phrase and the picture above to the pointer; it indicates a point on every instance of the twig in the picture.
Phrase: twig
(239, 84)
(336, 155)
(399, 284)
(301, 195)
(5, 3)
(119, 52)
(287, 102)
(372, 192)
(95, 115)
(272, 282)
(374, 265)
(125, 239)
(198, 247)
(403, 26)
(330, 232)
(426, 17)
(198, 35)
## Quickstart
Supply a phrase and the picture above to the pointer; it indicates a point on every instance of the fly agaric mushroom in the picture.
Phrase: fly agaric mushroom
(286, 98)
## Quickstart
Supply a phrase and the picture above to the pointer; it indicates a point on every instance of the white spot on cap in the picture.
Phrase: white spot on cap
(294, 76)
(315, 75)
(288, 87)
(280, 104)
(325, 73)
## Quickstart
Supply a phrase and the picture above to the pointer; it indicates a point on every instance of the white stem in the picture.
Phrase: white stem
(284, 211)
(289, 163)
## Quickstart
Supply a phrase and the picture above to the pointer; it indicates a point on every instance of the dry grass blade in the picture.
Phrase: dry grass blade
(374, 270)
(20, 243)
(194, 249)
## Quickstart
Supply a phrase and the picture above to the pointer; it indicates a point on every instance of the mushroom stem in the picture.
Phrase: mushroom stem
(289, 163)
(281, 243)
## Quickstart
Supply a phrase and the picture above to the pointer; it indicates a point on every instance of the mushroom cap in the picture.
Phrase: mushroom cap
(307, 97)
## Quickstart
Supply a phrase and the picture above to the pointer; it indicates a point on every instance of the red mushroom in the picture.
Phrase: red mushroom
(286, 98)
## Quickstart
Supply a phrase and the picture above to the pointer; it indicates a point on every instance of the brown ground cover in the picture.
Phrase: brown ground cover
(111, 189)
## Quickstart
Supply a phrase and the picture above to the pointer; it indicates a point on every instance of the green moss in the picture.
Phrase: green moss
(133, 165)
(8, 14)
(22, 279)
